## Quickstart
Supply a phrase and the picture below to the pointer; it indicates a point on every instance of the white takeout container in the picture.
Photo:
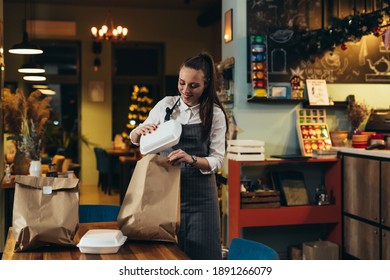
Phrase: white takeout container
(101, 241)
(165, 136)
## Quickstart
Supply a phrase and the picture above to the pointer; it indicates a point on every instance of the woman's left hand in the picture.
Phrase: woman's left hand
(178, 156)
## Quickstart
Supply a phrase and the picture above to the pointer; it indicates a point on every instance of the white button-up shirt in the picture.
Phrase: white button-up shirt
(190, 115)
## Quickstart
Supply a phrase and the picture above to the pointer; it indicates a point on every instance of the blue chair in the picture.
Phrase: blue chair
(244, 249)
(106, 167)
(102, 165)
(90, 213)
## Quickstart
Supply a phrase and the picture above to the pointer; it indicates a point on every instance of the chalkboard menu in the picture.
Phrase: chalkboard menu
(365, 61)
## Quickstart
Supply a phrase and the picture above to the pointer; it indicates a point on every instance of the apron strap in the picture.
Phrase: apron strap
(169, 111)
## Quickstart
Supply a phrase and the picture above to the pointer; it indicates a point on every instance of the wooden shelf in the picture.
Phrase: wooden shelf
(255, 99)
(291, 215)
(338, 105)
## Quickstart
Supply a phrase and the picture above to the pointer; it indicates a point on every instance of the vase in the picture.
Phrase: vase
(339, 138)
(35, 168)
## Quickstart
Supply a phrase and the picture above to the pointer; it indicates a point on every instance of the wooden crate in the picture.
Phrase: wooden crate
(260, 199)
(245, 150)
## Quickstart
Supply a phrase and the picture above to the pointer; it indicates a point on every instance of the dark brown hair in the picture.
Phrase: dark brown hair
(205, 63)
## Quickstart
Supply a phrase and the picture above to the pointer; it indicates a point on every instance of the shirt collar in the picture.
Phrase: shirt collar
(185, 107)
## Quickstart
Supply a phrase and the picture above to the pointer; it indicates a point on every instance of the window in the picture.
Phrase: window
(135, 64)
(61, 60)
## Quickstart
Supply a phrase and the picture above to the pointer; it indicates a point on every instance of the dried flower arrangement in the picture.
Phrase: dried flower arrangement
(25, 118)
(357, 113)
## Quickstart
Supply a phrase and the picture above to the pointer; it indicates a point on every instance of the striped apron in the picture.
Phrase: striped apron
(199, 235)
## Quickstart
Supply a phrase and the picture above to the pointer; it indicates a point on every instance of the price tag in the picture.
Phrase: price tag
(47, 189)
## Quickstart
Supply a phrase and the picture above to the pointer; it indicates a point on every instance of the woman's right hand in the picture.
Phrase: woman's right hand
(145, 129)
(136, 133)
(141, 130)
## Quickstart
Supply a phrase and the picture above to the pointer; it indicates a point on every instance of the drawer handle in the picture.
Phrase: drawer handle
(375, 232)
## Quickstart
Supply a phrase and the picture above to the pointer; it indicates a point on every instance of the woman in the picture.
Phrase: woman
(200, 153)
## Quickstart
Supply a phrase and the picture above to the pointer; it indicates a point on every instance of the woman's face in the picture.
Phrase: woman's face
(191, 85)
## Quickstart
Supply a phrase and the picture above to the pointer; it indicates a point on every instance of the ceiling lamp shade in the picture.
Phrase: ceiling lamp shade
(34, 78)
(40, 86)
(109, 33)
(25, 47)
(47, 91)
(31, 68)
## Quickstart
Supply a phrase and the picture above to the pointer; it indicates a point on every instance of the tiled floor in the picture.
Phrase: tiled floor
(92, 194)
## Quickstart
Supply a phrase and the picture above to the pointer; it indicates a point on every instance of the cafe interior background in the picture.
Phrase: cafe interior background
(173, 34)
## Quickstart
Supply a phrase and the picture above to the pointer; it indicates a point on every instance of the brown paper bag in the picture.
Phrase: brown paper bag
(46, 211)
(151, 206)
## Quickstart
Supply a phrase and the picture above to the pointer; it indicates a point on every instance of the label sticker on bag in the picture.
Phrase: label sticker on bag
(47, 189)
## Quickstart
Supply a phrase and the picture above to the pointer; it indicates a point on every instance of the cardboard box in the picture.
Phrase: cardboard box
(295, 253)
(320, 250)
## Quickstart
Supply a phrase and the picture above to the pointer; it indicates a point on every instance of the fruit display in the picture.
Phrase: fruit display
(313, 132)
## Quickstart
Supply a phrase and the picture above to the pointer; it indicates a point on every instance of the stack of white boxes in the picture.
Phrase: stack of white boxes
(246, 150)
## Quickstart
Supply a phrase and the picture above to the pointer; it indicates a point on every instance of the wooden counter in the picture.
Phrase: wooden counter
(131, 250)
(363, 152)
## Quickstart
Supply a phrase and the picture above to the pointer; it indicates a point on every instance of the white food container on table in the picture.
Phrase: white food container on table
(101, 241)
(165, 136)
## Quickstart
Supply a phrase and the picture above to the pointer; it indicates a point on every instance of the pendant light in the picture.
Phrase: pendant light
(40, 86)
(31, 68)
(47, 91)
(34, 78)
(44, 89)
(25, 47)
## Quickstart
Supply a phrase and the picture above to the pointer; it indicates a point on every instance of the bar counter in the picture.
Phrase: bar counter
(363, 152)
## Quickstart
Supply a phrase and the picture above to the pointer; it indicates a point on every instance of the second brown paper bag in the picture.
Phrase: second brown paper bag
(46, 211)
(151, 207)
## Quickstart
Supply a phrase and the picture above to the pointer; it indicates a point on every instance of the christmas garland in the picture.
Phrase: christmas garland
(342, 31)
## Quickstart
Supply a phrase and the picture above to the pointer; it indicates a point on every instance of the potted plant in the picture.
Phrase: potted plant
(60, 141)
(25, 119)
(357, 113)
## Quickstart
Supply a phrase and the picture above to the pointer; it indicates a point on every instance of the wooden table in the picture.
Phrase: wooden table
(116, 152)
(131, 250)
